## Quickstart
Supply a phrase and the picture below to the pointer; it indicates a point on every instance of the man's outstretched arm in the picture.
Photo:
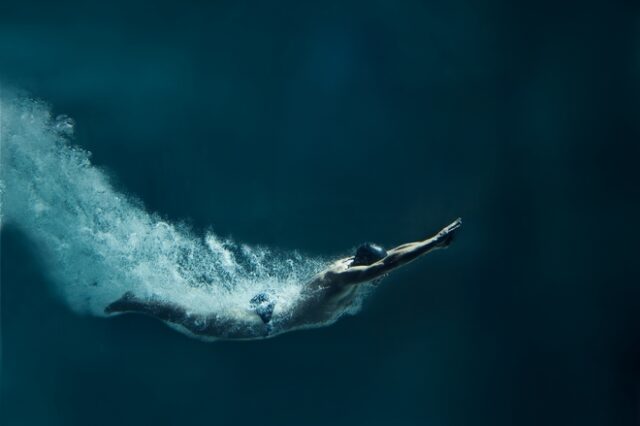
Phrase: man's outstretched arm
(400, 255)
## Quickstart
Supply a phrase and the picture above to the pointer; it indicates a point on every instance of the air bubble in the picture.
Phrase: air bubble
(64, 124)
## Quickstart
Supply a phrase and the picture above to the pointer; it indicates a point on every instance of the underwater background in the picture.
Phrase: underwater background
(315, 127)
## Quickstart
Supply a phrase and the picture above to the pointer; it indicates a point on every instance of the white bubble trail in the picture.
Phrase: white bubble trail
(98, 244)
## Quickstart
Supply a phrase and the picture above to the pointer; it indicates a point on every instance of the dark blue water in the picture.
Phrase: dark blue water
(317, 127)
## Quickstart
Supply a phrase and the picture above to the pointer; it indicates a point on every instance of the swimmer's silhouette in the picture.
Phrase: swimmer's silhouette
(325, 297)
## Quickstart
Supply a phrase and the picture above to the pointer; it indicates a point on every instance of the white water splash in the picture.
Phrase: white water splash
(98, 243)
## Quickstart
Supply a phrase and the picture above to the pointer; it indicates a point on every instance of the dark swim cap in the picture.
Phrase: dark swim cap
(367, 254)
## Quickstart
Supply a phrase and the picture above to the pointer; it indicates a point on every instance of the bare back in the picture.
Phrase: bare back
(325, 298)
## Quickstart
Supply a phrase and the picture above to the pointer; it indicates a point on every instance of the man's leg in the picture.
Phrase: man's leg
(161, 310)
(201, 325)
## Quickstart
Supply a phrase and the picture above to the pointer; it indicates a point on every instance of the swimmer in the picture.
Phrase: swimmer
(325, 298)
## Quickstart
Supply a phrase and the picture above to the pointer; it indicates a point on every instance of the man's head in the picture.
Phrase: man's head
(367, 254)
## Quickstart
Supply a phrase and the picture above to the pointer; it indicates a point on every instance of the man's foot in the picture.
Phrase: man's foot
(121, 304)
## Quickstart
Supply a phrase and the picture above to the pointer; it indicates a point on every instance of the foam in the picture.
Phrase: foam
(98, 243)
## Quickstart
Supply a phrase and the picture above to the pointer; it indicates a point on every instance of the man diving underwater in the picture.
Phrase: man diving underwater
(325, 298)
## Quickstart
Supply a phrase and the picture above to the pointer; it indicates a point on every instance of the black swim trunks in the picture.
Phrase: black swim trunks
(262, 304)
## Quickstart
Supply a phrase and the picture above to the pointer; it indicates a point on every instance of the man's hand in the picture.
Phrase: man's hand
(445, 236)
